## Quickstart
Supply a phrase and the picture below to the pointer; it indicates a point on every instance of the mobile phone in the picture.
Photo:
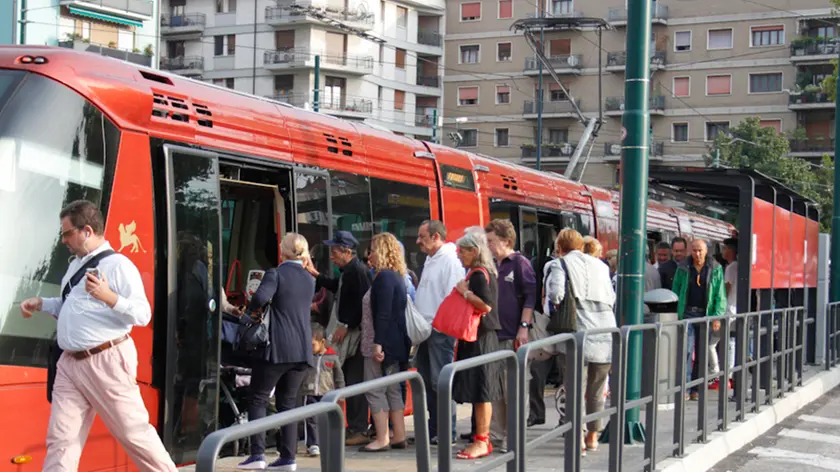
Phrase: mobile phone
(94, 271)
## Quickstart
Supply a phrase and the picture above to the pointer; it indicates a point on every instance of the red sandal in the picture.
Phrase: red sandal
(476, 439)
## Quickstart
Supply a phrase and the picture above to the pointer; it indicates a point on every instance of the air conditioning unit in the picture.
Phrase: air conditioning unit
(615, 150)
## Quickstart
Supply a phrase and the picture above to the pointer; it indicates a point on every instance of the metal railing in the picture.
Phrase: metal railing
(813, 47)
(188, 20)
(573, 62)
(655, 103)
(428, 80)
(356, 105)
(769, 357)
(182, 63)
(658, 12)
(285, 11)
(619, 58)
(291, 56)
(529, 107)
(809, 97)
(812, 145)
(429, 38)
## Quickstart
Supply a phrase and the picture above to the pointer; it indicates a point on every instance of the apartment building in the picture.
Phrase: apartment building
(124, 29)
(713, 64)
(269, 48)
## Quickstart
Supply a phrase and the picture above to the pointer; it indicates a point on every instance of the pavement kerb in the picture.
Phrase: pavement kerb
(702, 457)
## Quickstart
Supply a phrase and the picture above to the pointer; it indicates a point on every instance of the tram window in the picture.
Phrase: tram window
(40, 173)
(351, 206)
(400, 209)
(584, 224)
(455, 177)
(313, 216)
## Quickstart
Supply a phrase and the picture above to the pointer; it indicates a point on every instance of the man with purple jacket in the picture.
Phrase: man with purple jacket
(517, 298)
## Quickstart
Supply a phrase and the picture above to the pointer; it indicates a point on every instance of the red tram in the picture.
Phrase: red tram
(175, 162)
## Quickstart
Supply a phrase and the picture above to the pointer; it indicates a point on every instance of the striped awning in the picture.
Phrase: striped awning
(104, 17)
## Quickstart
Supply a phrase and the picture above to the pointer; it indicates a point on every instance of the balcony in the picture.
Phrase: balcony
(429, 38)
(345, 107)
(810, 100)
(563, 150)
(561, 64)
(813, 50)
(184, 65)
(614, 106)
(135, 9)
(134, 57)
(659, 15)
(617, 61)
(612, 151)
(303, 58)
(811, 147)
(189, 25)
(290, 13)
(428, 80)
(296, 99)
(557, 14)
(424, 120)
(559, 109)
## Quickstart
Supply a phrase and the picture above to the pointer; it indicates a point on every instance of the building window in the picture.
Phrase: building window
(502, 94)
(229, 83)
(766, 83)
(225, 6)
(502, 137)
(720, 39)
(682, 86)
(86, 30)
(399, 61)
(716, 128)
(379, 97)
(399, 100)
(558, 136)
(505, 9)
(471, 11)
(719, 85)
(679, 132)
(467, 96)
(775, 124)
(402, 17)
(561, 7)
(469, 137)
(503, 52)
(767, 36)
(225, 45)
(682, 41)
(560, 47)
(284, 85)
(469, 54)
(556, 94)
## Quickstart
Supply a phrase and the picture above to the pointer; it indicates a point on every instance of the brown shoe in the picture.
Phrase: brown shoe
(356, 439)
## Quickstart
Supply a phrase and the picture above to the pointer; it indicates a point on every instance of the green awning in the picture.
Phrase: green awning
(105, 17)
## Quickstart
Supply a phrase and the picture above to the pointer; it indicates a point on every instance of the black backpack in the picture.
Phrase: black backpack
(55, 351)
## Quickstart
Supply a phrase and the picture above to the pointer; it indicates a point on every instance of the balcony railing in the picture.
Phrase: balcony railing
(557, 14)
(290, 56)
(428, 80)
(655, 104)
(187, 21)
(424, 120)
(619, 59)
(549, 150)
(809, 98)
(614, 149)
(343, 104)
(181, 63)
(429, 38)
(659, 13)
(295, 99)
(291, 12)
(565, 106)
(811, 46)
(361, 63)
(812, 145)
(137, 7)
(573, 62)
(129, 56)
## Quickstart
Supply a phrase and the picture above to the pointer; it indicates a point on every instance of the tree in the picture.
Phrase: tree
(829, 85)
(769, 155)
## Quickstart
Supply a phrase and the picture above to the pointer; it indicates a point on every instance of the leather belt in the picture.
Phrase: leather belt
(79, 355)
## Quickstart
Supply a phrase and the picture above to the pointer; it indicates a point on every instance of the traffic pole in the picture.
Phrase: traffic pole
(434, 125)
(317, 92)
(834, 274)
(634, 188)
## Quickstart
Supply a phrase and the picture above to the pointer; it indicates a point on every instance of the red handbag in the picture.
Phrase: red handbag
(457, 317)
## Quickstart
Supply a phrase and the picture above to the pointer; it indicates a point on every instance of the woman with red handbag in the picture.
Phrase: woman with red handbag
(481, 385)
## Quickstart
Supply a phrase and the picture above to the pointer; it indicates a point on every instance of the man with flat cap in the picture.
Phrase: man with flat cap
(349, 287)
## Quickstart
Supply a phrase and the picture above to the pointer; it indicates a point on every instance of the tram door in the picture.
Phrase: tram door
(193, 309)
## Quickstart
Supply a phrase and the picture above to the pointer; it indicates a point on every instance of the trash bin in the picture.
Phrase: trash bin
(661, 307)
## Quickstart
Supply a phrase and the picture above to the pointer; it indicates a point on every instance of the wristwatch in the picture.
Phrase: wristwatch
(525, 324)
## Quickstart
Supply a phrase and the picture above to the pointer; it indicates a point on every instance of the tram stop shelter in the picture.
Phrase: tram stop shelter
(778, 232)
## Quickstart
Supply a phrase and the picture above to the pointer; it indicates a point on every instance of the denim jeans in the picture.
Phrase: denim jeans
(432, 355)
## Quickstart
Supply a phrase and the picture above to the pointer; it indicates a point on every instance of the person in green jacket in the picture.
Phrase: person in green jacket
(699, 285)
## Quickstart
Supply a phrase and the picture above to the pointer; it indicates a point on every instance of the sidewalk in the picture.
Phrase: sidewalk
(548, 457)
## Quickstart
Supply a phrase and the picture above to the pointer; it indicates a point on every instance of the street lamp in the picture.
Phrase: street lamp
(732, 139)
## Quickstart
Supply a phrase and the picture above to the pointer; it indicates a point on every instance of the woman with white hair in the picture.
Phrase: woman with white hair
(481, 385)
(289, 289)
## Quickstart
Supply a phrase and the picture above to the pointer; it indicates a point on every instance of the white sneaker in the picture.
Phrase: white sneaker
(314, 450)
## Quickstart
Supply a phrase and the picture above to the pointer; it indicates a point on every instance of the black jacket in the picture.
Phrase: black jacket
(290, 288)
(388, 300)
(666, 273)
(355, 278)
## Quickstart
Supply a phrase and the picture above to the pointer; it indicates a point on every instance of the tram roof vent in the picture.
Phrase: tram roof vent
(338, 145)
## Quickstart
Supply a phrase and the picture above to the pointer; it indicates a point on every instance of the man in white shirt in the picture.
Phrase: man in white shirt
(441, 272)
(97, 371)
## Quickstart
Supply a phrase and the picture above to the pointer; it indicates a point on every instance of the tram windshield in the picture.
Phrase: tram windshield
(55, 147)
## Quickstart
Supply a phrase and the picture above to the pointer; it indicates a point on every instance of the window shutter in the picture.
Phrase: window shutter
(718, 85)
(468, 93)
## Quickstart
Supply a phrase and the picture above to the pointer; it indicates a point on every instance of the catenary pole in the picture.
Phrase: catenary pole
(634, 187)
(834, 260)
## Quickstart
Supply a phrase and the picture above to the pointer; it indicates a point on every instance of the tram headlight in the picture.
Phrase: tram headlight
(21, 460)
